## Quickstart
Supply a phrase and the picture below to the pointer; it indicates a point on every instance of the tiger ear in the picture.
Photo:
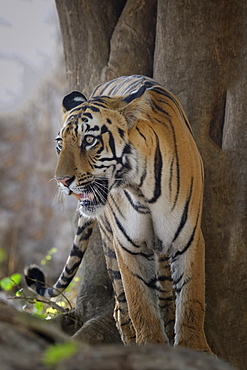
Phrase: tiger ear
(132, 106)
(72, 100)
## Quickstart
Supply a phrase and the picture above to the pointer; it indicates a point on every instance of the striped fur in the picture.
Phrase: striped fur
(128, 155)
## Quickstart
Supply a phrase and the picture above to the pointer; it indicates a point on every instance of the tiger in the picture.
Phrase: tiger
(128, 155)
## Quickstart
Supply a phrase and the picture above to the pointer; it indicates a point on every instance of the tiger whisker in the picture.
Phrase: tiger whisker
(53, 179)
(101, 187)
(99, 194)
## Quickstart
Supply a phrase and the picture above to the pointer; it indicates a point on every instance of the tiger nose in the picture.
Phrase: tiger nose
(66, 181)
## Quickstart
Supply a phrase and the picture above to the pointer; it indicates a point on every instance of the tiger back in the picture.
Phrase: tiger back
(128, 155)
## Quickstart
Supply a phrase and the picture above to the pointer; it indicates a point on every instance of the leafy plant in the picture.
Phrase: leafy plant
(8, 283)
(59, 352)
(40, 307)
(49, 255)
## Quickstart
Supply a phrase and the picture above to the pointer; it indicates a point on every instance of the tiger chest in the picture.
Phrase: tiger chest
(127, 222)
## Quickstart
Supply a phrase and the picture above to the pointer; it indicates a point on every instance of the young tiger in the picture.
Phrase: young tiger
(128, 155)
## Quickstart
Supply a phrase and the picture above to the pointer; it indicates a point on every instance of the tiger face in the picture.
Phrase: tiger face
(95, 154)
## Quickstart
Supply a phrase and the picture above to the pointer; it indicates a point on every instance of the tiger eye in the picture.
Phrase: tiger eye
(89, 139)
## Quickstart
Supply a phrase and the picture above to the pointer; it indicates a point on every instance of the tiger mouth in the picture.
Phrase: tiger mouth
(88, 200)
(85, 197)
(93, 195)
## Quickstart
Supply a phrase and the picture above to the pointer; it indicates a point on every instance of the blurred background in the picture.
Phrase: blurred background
(34, 222)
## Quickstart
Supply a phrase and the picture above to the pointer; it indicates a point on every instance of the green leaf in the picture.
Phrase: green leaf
(52, 251)
(16, 278)
(19, 293)
(6, 283)
(39, 306)
(51, 311)
(59, 352)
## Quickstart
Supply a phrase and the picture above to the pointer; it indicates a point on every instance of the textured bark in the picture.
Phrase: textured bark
(106, 39)
(205, 65)
(31, 338)
(86, 28)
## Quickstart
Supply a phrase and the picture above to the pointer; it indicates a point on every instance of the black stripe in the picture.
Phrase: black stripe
(104, 223)
(126, 81)
(151, 283)
(177, 166)
(76, 110)
(178, 279)
(50, 291)
(87, 234)
(150, 83)
(149, 257)
(60, 285)
(93, 108)
(114, 275)
(121, 298)
(76, 252)
(100, 92)
(117, 87)
(104, 129)
(95, 128)
(137, 207)
(117, 206)
(143, 175)
(133, 85)
(87, 114)
(108, 252)
(157, 108)
(170, 298)
(162, 91)
(134, 95)
(127, 323)
(164, 259)
(178, 290)
(121, 132)
(157, 172)
(71, 270)
(80, 229)
(185, 214)
(171, 176)
(178, 253)
(99, 103)
(121, 228)
(140, 133)
(112, 144)
(164, 278)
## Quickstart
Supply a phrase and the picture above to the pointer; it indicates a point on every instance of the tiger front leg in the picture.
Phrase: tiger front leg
(187, 266)
(121, 314)
(123, 321)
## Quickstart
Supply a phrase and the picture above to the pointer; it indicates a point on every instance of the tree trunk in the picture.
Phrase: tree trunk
(200, 55)
(205, 65)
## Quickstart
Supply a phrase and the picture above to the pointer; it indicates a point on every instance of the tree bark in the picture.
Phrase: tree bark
(205, 65)
(32, 338)
(106, 39)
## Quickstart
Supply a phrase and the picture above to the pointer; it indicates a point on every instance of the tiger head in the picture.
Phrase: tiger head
(94, 151)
